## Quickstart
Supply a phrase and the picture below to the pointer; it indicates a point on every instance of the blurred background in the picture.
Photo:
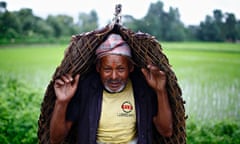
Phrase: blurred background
(215, 20)
(200, 38)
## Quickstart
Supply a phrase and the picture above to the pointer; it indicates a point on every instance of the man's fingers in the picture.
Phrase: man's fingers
(152, 67)
(69, 77)
(65, 79)
(162, 73)
(146, 73)
(152, 71)
(76, 79)
(59, 82)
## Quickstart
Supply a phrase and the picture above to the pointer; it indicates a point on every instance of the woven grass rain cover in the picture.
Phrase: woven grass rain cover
(80, 58)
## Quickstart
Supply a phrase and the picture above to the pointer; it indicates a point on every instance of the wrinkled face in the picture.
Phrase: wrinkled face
(114, 71)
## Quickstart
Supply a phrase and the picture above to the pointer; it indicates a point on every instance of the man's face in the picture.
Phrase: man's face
(114, 71)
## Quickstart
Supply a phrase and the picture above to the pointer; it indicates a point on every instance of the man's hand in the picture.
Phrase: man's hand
(155, 77)
(65, 87)
(157, 80)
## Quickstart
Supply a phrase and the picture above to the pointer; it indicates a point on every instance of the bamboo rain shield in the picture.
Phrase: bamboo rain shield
(80, 58)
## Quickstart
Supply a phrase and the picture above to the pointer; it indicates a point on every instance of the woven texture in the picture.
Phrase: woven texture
(80, 57)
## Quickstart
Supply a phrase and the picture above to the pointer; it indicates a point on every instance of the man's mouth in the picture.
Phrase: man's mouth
(115, 84)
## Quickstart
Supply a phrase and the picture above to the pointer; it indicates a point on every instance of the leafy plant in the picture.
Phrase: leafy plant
(19, 112)
(223, 132)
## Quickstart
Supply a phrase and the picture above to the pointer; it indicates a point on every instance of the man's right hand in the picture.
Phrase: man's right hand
(65, 87)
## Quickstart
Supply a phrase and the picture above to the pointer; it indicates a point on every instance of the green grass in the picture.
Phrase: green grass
(208, 73)
(34, 64)
(210, 79)
(32, 57)
(202, 46)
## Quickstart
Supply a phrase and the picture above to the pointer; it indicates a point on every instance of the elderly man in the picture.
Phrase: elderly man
(117, 103)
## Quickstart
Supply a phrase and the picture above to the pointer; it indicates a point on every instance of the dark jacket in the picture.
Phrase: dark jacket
(85, 108)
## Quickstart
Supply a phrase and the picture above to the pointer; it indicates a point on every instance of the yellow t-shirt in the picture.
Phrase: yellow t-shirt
(118, 117)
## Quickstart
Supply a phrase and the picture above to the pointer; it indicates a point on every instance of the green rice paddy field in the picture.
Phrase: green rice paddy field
(208, 73)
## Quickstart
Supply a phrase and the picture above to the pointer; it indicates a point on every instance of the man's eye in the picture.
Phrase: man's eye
(121, 69)
(107, 69)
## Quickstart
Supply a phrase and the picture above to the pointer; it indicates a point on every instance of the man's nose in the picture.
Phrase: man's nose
(114, 74)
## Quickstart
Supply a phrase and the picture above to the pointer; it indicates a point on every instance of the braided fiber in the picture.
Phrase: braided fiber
(80, 58)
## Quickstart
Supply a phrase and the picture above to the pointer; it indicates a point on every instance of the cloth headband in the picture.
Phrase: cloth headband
(113, 45)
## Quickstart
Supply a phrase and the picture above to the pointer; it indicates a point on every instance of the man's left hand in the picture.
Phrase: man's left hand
(155, 77)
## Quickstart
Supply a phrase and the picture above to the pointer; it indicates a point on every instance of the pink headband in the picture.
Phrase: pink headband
(114, 45)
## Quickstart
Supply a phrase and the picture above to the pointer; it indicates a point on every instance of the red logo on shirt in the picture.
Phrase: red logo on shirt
(127, 107)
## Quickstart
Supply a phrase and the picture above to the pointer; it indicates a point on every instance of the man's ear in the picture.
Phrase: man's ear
(131, 66)
(98, 66)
